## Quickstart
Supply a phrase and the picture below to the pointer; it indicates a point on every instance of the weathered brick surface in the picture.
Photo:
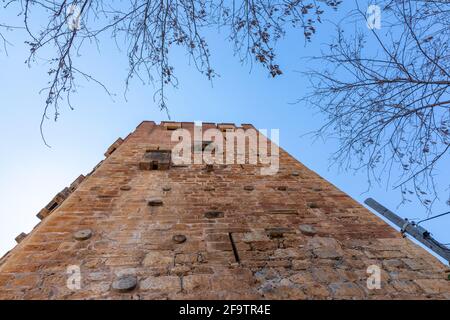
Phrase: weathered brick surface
(277, 258)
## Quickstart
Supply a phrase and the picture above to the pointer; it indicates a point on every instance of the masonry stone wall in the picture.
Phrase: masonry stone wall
(226, 232)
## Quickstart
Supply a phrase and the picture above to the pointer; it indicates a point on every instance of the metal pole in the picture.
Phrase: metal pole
(419, 233)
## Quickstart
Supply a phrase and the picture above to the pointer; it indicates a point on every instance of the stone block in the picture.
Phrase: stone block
(433, 286)
(161, 283)
(158, 259)
(197, 282)
(346, 290)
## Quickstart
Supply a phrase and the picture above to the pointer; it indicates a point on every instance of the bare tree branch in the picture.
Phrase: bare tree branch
(386, 95)
(148, 30)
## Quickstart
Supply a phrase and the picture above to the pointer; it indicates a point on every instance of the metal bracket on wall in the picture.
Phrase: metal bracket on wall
(409, 227)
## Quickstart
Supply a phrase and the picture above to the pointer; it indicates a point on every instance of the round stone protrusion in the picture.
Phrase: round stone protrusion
(179, 238)
(295, 173)
(125, 283)
(155, 202)
(125, 188)
(180, 270)
(249, 188)
(214, 214)
(82, 235)
(307, 229)
(166, 188)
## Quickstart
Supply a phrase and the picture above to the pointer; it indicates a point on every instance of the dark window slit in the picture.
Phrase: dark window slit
(233, 246)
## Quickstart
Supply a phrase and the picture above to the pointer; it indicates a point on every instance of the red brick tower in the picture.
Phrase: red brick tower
(138, 227)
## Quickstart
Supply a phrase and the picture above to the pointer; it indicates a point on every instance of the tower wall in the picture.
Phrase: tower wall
(291, 235)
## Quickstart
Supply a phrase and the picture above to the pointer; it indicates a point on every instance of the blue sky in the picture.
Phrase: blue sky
(31, 174)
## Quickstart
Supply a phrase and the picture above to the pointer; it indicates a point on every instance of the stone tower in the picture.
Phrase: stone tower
(140, 227)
